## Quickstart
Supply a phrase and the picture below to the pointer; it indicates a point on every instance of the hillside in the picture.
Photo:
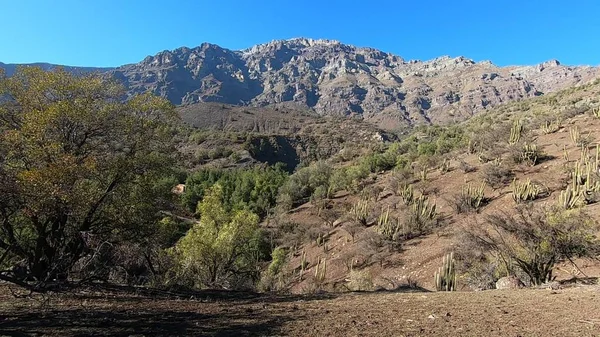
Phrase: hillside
(10, 68)
(358, 260)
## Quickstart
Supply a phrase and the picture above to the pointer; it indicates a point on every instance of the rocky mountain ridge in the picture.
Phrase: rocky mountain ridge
(333, 78)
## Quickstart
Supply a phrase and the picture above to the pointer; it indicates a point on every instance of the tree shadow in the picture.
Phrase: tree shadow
(124, 322)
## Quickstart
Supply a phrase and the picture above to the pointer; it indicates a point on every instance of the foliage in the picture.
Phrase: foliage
(223, 249)
(537, 239)
(254, 189)
(303, 183)
(76, 164)
(497, 176)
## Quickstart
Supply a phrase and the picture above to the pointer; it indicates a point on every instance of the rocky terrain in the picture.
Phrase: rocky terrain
(337, 79)
(332, 78)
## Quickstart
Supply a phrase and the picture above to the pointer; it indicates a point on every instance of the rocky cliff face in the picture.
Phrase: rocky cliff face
(337, 79)
(332, 78)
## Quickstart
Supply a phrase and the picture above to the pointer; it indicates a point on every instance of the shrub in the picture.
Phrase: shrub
(537, 239)
(497, 176)
(470, 199)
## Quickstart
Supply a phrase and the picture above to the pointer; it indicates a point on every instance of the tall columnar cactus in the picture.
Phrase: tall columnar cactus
(303, 264)
(570, 198)
(321, 271)
(474, 195)
(360, 212)
(407, 194)
(597, 161)
(515, 132)
(529, 154)
(551, 127)
(445, 276)
(423, 209)
(384, 218)
(524, 191)
(575, 135)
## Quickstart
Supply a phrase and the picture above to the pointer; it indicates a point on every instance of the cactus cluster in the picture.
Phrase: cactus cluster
(423, 209)
(422, 212)
(529, 154)
(584, 183)
(474, 196)
(360, 212)
(384, 218)
(321, 271)
(515, 132)
(407, 194)
(303, 264)
(575, 135)
(551, 127)
(524, 191)
(445, 276)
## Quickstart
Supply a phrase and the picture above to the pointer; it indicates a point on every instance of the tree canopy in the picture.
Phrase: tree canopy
(78, 164)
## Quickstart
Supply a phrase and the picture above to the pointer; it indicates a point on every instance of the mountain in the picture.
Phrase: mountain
(10, 68)
(332, 78)
(337, 79)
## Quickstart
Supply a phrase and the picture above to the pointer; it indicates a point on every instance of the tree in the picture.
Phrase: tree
(78, 164)
(536, 240)
(222, 250)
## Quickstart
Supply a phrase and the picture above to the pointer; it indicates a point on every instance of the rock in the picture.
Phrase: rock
(509, 282)
(332, 78)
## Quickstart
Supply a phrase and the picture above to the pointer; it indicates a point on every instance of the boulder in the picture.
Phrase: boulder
(509, 282)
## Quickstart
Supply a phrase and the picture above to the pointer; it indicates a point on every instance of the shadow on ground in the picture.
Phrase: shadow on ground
(82, 322)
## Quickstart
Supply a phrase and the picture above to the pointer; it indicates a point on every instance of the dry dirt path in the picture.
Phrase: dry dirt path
(566, 312)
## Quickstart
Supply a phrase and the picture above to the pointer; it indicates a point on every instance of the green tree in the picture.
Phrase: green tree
(77, 165)
(222, 250)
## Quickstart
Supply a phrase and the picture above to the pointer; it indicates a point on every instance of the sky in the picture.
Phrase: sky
(116, 32)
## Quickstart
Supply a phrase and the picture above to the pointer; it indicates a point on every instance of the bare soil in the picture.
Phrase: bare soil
(566, 312)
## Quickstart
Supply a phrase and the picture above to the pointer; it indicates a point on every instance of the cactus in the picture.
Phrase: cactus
(551, 127)
(473, 195)
(423, 174)
(596, 112)
(303, 264)
(529, 154)
(524, 191)
(423, 209)
(597, 161)
(321, 271)
(445, 276)
(569, 198)
(360, 212)
(575, 135)
(515, 132)
(565, 153)
(384, 218)
(407, 194)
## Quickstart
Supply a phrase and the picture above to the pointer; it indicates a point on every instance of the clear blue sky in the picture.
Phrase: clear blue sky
(115, 32)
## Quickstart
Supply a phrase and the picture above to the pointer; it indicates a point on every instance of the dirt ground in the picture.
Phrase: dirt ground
(544, 312)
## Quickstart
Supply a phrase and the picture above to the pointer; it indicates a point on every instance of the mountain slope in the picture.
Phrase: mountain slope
(10, 68)
(332, 78)
(337, 79)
